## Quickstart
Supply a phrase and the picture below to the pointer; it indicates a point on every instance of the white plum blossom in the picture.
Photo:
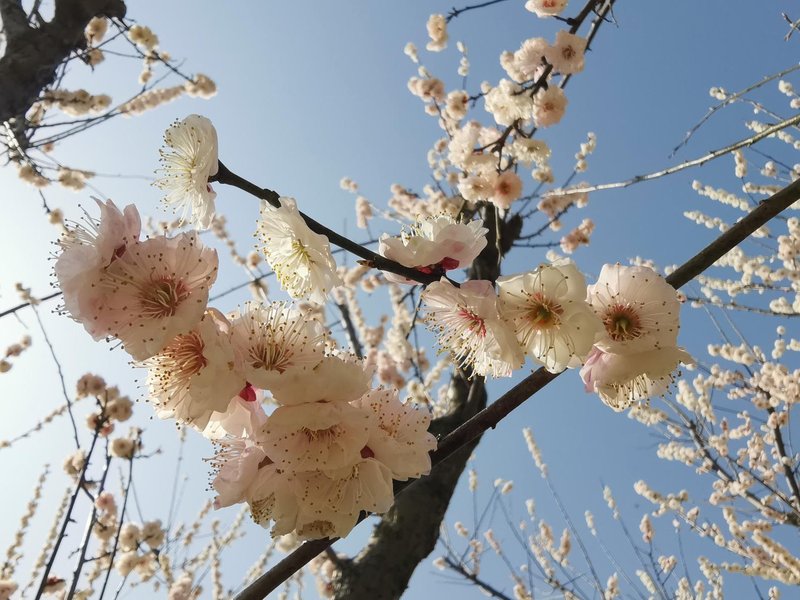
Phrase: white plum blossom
(526, 63)
(316, 435)
(638, 308)
(437, 32)
(156, 290)
(401, 440)
(331, 379)
(195, 375)
(549, 106)
(189, 159)
(301, 259)
(546, 8)
(566, 55)
(86, 250)
(435, 244)
(270, 339)
(468, 325)
(551, 318)
(507, 103)
(623, 379)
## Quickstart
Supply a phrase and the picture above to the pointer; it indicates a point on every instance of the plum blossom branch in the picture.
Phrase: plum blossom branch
(696, 162)
(729, 100)
(76, 575)
(227, 177)
(455, 12)
(489, 417)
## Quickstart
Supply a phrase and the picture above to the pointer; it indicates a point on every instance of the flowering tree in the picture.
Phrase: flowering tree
(315, 429)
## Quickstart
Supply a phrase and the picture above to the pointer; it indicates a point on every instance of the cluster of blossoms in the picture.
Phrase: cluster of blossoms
(332, 445)
(622, 330)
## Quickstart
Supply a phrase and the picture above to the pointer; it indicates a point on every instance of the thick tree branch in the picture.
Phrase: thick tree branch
(32, 56)
(489, 417)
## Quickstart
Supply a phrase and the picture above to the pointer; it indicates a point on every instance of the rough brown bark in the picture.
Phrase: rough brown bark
(408, 532)
(33, 54)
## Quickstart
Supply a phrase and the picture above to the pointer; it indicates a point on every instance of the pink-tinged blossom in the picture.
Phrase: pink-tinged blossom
(549, 106)
(269, 339)
(331, 379)
(401, 440)
(622, 379)
(188, 160)
(87, 249)
(301, 259)
(566, 55)
(316, 435)
(325, 504)
(435, 244)
(638, 308)
(156, 290)
(546, 8)
(468, 325)
(507, 188)
(243, 415)
(196, 374)
(239, 460)
(548, 310)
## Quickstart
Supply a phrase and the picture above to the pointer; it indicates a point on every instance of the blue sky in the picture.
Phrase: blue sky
(310, 92)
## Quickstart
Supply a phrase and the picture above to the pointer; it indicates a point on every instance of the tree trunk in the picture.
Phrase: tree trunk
(407, 534)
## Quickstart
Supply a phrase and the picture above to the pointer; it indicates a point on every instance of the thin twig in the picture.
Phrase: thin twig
(60, 376)
(696, 162)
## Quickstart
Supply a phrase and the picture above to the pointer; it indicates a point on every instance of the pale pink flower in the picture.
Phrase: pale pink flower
(331, 379)
(272, 497)
(243, 416)
(316, 435)
(314, 504)
(546, 8)
(622, 379)
(156, 290)
(269, 339)
(301, 259)
(187, 162)
(401, 440)
(566, 55)
(435, 244)
(86, 250)
(239, 458)
(507, 188)
(196, 374)
(549, 313)
(549, 106)
(468, 325)
(639, 309)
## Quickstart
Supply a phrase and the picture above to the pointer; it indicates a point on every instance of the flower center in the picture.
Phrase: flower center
(474, 323)
(325, 436)
(270, 357)
(544, 313)
(187, 353)
(622, 323)
(162, 297)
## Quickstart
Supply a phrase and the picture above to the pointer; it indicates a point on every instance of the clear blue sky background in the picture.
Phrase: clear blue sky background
(313, 91)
